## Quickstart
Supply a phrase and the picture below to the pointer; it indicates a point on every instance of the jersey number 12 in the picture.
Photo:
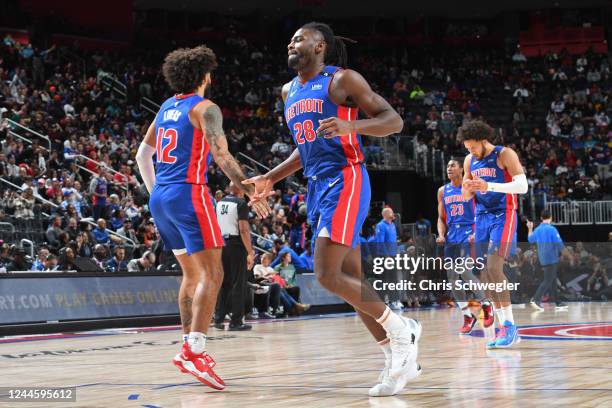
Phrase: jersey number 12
(163, 152)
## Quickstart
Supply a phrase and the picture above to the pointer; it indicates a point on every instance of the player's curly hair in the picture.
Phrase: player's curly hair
(185, 68)
(476, 130)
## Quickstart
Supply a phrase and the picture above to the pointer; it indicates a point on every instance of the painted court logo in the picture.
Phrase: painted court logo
(571, 331)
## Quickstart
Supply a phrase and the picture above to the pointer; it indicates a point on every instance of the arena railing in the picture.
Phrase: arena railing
(31, 131)
(109, 81)
(53, 205)
(149, 105)
(580, 212)
(100, 164)
(602, 211)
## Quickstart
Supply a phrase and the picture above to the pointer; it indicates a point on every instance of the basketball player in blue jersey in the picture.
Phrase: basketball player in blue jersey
(186, 135)
(456, 233)
(494, 176)
(321, 105)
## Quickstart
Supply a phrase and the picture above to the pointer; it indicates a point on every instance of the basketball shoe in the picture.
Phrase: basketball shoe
(508, 336)
(198, 365)
(468, 324)
(488, 313)
(403, 366)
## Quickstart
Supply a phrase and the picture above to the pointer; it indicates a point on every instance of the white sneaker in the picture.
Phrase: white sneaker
(390, 386)
(384, 374)
(536, 305)
(404, 366)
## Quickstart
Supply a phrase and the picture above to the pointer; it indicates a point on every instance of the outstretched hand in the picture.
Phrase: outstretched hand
(259, 197)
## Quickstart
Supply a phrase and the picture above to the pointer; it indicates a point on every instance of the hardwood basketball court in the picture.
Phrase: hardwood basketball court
(328, 361)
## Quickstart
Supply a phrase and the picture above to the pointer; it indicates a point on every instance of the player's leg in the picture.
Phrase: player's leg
(352, 266)
(503, 236)
(188, 285)
(481, 247)
(173, 240)
(198, 226)
(343, 206)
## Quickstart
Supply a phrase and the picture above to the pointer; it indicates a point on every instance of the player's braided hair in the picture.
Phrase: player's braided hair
(185, 68)
(335, 52)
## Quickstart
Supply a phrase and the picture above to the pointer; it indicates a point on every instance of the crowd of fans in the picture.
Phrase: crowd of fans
(88, 177)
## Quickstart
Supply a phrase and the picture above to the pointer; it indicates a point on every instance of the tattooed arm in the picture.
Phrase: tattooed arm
(210, 120)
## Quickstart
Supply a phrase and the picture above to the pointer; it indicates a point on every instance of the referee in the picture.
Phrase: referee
(237, 257)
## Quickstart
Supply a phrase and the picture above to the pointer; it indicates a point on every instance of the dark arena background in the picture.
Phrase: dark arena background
(89, 295)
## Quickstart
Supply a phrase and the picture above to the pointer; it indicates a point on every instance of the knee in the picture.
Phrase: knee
(326, 278)
(213, 276)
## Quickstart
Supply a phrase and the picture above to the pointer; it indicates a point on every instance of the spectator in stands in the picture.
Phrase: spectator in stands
(66, 259)
(307, 258)
(144, 264)
(423, 226)
(265, 275)
(39, 263)
(287, 271)
(72, 229)
(83, 245)
(100, 255)
(4, 256)
(51, 264)
(127, 230)
(102, 236)
(98, 188)
(23, 205)
(53, 232)
(19, 261)
(117, 263)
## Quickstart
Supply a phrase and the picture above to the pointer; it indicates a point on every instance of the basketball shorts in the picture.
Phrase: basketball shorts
(338, 204)
(457, 241)
(185, 217)
(496, 233)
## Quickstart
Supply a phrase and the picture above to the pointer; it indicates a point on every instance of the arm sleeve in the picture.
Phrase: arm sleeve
(144, 158)
(518, 185)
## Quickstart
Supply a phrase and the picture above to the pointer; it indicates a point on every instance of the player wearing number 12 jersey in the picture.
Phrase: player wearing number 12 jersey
(185, 137)
(321, 105)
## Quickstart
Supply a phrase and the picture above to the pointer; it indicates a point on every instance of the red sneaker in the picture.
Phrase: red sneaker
(198, 365)
(488, 313)
(468, 324)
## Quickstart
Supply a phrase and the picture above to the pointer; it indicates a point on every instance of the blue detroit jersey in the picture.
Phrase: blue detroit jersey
(488, 170)
(457, 210)
(305, 105)
(182, 152)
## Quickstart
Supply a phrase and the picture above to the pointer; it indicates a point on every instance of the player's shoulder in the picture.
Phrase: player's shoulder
(347, 75)
(286, 88)
(506, 151)
(442, 188)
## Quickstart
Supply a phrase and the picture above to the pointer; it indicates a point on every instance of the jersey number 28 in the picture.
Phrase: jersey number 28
(304, 130)
(164, 152)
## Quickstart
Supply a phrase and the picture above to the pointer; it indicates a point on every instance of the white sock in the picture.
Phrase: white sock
(464, 308)
(508, 314)
(197, 342)
(500, 316)
(390, 321)
(385, 346)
